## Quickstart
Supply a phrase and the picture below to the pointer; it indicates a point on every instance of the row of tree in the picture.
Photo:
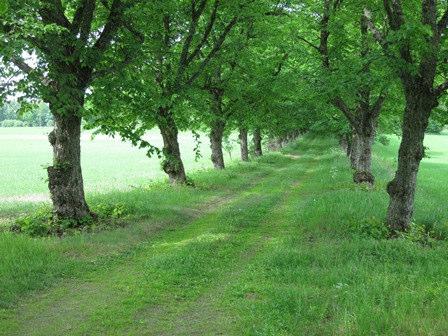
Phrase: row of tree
(347, 68)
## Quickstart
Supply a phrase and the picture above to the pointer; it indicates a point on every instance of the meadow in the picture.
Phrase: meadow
(282, 245)
(108, 164)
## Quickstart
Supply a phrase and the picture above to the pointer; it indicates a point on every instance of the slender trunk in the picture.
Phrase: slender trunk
(172, 163)
(65, 175)
(243, 145)
(216, 136)
(275, 144)
(257, 142)
(218, 125)
(402, 188)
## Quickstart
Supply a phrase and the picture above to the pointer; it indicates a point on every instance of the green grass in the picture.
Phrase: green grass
(108, 165)
(274, 247)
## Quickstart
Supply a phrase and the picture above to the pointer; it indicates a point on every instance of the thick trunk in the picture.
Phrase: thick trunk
(216, 136)
(172, 163)
(65, 175)
(243, 145)
(363, 168)
(402, 188)
(257, 143)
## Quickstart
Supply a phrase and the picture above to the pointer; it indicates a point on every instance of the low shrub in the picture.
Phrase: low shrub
(42, 222)
(371, 227)
(419, 233)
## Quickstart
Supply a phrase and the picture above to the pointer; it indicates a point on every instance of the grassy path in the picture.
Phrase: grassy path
(169, 285)
(285, 247)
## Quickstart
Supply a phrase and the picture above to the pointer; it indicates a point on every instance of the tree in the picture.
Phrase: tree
(351, 84)
(415, 46)
(70, 43)
(179, 47)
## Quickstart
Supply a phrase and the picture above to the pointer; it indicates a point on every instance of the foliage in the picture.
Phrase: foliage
(12, 123)
(12, 115)
(41, 223)
(435, 127)
(384, 140)
(373, 227)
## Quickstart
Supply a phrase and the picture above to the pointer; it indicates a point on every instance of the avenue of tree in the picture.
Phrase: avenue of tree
(268, 70)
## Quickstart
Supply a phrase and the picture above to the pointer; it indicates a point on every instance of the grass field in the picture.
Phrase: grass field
(108, 165)
(281, 246)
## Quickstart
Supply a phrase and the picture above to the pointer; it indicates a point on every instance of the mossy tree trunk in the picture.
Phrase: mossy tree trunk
(65, 178)
(172, 163)
(419, 104)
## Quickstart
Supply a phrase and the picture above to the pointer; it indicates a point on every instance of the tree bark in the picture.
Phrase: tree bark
(258, 151)
(172, 163)
(346, 143)
(243, 145)
(217, 127)
(355, 151)
(402, 188)
(65, 179)
(216, 136)
(363, 168)
(276, 143)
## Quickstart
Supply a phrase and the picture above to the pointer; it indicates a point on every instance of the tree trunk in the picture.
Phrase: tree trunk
(218, 125)
(345, 142)
(275, 143)
(402, 188)
(363, 168)
(243, 145)
(65, 175)
(355, 151)
(257, 143)
(216, 136)
(172, 163)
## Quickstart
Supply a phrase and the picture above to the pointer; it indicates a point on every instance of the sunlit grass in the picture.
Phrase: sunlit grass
(283, 246)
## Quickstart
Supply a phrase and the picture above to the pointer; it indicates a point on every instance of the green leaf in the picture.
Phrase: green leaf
(3, 6)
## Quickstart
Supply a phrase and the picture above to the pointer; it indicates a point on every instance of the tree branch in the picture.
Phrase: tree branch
(309, 43)
(114, 21)
(340, 104)
(376, 33)
(280, 65)
(22, 65)
(27, 69)
(376, 108)
(440, 89)
(52, 11)
(214, 50)
(207, 32)
(443, 23)
(85, 25)
(195, 15)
